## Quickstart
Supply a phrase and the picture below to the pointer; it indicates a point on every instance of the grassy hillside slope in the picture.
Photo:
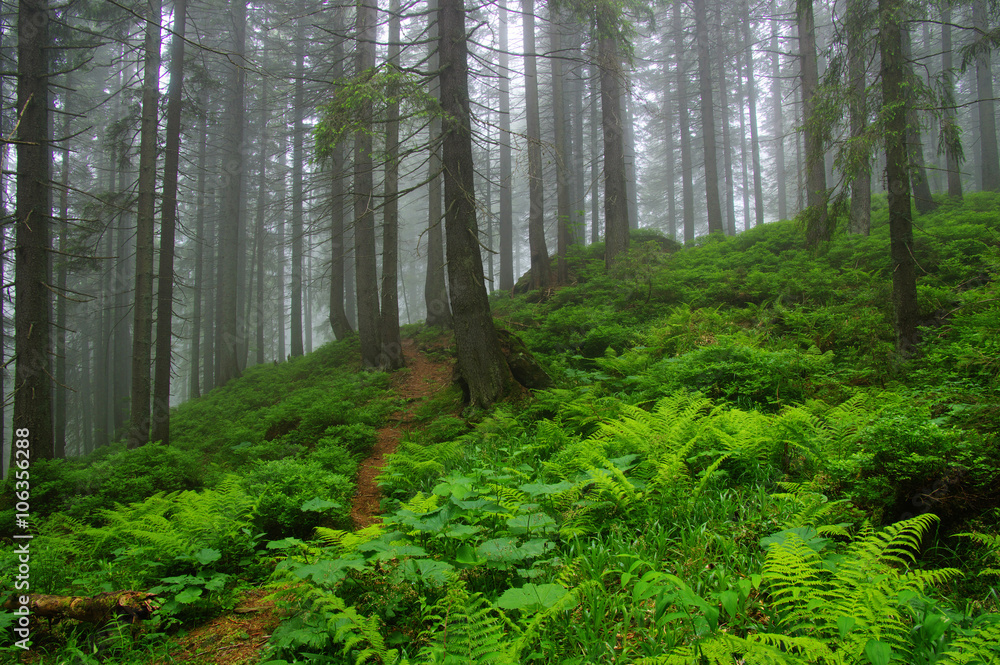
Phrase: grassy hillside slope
(733, 467)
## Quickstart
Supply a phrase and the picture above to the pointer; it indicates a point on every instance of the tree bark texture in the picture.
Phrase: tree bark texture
(168, 224)
(684, 128)
(506, 176)
(229, 339)
(536, 211)
(989, 155)
(817, 219)
(616, 224)
(480, 358)
(392, 345)
(895, 100)
(860, 216)
(366, 268)
(32, 419)
(708, 119)
(298, 156)
(142, 328)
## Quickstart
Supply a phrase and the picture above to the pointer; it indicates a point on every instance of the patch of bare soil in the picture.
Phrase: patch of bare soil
(425, 376)
(236, 638)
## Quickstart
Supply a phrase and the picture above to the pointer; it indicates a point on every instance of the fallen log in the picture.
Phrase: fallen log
(131, 606)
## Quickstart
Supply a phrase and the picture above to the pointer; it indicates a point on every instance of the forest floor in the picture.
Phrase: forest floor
(238, 637)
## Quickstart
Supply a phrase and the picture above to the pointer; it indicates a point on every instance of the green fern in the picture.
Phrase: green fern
(464, 629)
(980, 648)
(854, 598)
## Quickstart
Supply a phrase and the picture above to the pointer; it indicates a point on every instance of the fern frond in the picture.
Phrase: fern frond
(982, 647)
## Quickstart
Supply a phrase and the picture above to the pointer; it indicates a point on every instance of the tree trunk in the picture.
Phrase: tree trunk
(668, 139)
(684, 127)
(859, 221)
(817, 226)
(536, 212)
(616, 224)
(480, 358)
(922, 199)
(339, 322)
(32, 421)
(895, 100)
(563, 202)
(298, 138)
(631, 179)
(727, 146)
(59, 436)
(595, 153)
(989, 156)
(142, 329)
(777, 114)
(199, 249)
(758, 189)
(229, 340)
(506, 176)
(364, 191)
(392, 345)
(165, 285)
(950, 134)
(260, 229)
(708, 119)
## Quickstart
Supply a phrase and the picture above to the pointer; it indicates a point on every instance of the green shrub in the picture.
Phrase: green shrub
(750, 377)
(283, 487)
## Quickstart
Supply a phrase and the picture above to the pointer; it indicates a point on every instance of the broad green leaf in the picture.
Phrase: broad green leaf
(188, 595)
(467, 556)
(845, 625)
(207, 555)
(878, 653)
(428, 571)
(329, 571)
(531, 523)
(532, 597)
(730, 601)
(318, 505)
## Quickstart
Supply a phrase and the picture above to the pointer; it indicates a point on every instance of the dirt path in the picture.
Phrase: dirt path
(424, 377)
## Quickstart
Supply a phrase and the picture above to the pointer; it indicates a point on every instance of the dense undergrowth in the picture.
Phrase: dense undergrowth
(733, 467)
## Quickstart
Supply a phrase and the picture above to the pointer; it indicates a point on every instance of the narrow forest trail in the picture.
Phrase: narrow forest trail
(424, 377)
(239, 637)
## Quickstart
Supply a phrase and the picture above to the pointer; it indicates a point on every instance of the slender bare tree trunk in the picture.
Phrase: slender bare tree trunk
(777, 113)
(708, 119)
(145, 217)
(506, 176)
(536, 213)
(684, 127)
(298, 138)
(989, 155)
(563, 201)
(165, 288)
(364, 206)
(950, 134)
(860, 217)
(895, 99)
(616, 224)
(817, 226)
(758, 188)
(229, 340)
(199, 248)
(392, 346)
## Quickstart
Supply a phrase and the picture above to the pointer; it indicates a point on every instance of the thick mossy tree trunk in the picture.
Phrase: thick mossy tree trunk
(131, 606)
(480, 358)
